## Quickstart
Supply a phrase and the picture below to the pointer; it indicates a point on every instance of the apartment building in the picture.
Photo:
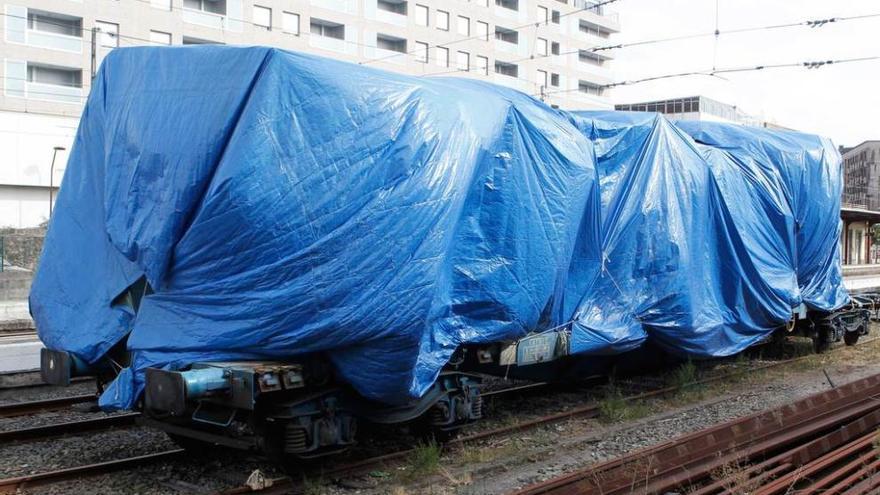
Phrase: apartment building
(51, 49)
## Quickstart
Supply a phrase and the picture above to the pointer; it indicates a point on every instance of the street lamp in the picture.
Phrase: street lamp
(52, 176)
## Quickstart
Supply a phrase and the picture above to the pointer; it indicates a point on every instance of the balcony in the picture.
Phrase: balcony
(223, 15)
(202, 18)
(53, 92)
(512, 82)
(392, 12)
(43, 29)
(54, 41)
(600, 16)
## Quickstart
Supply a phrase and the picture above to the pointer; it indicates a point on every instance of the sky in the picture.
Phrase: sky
(838, 101)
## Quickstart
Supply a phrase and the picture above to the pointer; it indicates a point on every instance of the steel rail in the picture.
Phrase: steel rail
(692, 457)
(67, 428)
(36, 406)
(14, 485)
(38, 384)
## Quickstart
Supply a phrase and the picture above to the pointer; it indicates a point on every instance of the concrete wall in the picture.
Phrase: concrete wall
(22, 247)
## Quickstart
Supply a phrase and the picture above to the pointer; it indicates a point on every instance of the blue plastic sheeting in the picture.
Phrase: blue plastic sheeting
(694, 257)
(282, 204)
(798, 179)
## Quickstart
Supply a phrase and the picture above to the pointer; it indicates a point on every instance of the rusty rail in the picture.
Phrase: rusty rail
(37, 406)
(14, 485)
(789, 446)
(67, 428)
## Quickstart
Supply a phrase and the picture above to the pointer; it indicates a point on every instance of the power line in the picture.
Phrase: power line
(813, 23)
(714, 72)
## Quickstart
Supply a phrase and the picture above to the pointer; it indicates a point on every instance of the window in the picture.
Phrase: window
(422, 52)
(211, 6)
(443, 20)
(263, 17)
(506, 69)
(395, 6)
(507, 35)
(421, 15)
(56, 76)
(290, 22)
(554, 80)
(327, 29)
(541, 46)
(543, 14)
(508, 4)
(464, 25)
(590, 58)
(392, 43)
(442, 56)
(48, 22)
(483, 30)
(483, 65)
(542, 78)
(108, 35)
(160, 38)
(554, 17)
(464, 61)
(554, 48)
(589, 88)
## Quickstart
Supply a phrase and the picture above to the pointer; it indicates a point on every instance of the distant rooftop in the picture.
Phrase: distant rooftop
(696, 108)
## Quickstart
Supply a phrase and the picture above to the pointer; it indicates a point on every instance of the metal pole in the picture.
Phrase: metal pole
(55, 151)
(94, 51)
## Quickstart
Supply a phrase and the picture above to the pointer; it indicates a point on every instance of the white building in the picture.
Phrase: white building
(52, 48)
(696, 108)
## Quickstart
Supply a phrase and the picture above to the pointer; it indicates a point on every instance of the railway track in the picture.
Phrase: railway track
(287, 485)
(824, 443)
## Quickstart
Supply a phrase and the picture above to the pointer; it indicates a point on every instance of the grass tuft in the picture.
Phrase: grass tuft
(425, 460)
(614, 407)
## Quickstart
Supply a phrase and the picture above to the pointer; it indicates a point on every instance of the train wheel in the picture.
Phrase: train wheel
(850, 338)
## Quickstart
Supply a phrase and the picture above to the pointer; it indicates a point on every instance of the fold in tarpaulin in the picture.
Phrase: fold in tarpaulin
(701, 244)
(281, 204)
(798, 176)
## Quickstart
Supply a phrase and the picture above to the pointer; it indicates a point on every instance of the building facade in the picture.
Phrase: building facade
(860, 204)
(695, 108)
(51, 49)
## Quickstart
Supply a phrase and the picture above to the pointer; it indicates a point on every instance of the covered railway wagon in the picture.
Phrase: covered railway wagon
(260, 248)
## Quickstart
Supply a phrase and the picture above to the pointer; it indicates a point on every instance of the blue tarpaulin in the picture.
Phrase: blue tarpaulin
(281, 204)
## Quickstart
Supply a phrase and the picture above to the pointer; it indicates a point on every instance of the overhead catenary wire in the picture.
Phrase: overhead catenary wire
(815, 64)
(813, 23)
(484, 71)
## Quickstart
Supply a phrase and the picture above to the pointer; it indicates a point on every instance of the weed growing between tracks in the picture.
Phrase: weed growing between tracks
(614, 407)
(424, 461)
(736, 477)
